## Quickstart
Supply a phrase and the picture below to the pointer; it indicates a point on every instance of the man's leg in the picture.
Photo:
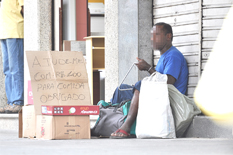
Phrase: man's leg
(6, 70)
(120, 96)
(133, 111)
(16, 66)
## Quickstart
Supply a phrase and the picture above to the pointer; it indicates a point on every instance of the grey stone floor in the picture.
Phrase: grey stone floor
(11, 144)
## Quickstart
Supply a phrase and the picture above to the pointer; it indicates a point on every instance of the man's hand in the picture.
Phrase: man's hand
(142, 65)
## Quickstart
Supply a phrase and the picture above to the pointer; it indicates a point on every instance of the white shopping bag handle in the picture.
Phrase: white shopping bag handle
(125, 77)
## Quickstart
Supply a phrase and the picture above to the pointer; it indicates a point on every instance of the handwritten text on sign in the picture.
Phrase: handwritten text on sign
(60, 61)
(59, 78)
(44, 76)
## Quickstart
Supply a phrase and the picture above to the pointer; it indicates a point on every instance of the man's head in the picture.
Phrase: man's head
(161, 36)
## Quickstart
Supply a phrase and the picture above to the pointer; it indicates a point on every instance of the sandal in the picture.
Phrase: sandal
(125, 135)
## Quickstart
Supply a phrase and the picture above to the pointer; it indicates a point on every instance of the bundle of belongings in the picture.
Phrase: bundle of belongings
(169, 118)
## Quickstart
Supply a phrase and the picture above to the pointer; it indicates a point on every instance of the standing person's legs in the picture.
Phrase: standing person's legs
(8, 77)
(16, 69)
(6, 71)
(16, 65)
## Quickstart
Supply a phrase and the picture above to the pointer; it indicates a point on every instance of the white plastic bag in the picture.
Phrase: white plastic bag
(155, 119)
(183, 109)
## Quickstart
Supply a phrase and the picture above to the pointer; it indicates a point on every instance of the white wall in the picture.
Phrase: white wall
(97, 11)
(69, 20)
(57, 5)
(97, 26)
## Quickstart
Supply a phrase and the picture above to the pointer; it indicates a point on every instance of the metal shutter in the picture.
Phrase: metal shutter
(214, 12)
(184, 17)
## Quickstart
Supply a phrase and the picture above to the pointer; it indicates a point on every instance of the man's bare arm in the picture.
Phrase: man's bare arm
(170, 79)
(143, 65)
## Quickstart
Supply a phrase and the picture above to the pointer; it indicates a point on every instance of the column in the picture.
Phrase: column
(37, 31)
(127, 36)
(111, 47)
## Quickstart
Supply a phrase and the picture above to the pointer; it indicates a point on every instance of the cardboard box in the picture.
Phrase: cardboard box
(58, 78)
(29, 121)
(30, 95)
(70, 110)
(63, 127)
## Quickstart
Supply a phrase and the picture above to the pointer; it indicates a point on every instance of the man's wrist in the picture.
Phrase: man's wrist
(149, 69)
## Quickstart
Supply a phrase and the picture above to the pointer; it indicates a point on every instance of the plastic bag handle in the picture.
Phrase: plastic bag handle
(125, 77)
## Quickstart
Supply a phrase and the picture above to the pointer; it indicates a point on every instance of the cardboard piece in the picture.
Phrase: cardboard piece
(70, 110)
(63, 127)
(29, 121)
(58, 78)
(67, 45)
(20, 124)
(30, 94)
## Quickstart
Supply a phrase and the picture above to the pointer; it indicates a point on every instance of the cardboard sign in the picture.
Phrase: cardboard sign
(63, 127)
(58, 78)
(70, 110)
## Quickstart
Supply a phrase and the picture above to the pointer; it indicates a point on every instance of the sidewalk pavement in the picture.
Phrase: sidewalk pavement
(10, 144)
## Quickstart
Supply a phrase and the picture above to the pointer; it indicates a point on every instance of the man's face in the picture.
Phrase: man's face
(158, 38)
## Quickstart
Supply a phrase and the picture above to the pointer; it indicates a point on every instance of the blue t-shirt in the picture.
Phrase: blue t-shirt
(172, 62)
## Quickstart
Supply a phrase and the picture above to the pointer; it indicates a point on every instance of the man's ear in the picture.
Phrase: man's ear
(169, 36)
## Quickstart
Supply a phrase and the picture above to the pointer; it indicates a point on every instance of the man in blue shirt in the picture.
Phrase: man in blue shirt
(172, 63)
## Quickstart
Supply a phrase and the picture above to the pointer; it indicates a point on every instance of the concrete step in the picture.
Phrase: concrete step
(9, 121)
(201, 127)
(205, 127)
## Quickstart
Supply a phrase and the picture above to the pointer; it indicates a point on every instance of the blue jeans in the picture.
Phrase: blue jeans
(13, 68)
(120, 96)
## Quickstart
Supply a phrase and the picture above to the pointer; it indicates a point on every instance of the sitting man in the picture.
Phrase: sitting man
(171, 62)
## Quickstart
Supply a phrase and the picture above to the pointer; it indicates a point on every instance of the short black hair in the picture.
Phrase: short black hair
(166, 28)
